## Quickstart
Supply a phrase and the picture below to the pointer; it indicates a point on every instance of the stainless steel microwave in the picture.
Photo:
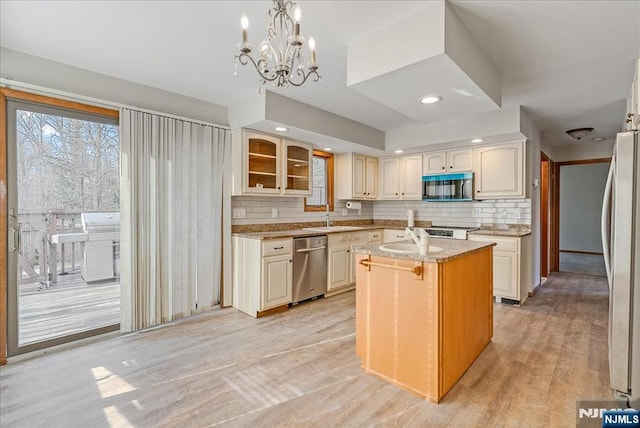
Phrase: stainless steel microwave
(447, 187)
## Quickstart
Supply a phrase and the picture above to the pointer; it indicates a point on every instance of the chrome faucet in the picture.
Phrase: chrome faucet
(328, 217)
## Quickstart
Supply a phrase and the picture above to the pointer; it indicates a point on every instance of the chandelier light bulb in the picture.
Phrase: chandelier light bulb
(312, 44)
(244, 21)
(297, 14)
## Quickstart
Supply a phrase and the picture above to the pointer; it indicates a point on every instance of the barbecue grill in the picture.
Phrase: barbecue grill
(101, 253)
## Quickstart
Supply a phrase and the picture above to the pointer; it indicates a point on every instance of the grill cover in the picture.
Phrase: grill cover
(100, 222)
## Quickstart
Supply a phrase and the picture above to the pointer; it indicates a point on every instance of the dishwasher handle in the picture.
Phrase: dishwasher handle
(306, 250)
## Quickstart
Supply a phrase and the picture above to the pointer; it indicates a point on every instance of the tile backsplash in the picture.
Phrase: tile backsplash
(260, 210)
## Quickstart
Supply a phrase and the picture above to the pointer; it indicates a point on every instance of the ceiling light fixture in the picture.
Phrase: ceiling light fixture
(280, 129)
(477, 140)
(430, 99)
(398, 151)
(327, 149)
(579, 133)
(597, 139)
(281, 60)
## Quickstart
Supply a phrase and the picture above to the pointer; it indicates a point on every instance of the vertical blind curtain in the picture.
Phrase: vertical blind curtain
(172, 209)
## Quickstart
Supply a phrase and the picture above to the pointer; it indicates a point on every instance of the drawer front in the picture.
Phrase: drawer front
(348, 238)
(502, 243)
(271, 248)
(375, 236)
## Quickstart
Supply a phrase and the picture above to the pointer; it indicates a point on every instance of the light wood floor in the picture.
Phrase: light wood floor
(299, 368)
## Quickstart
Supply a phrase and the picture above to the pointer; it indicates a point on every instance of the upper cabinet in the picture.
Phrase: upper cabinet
(401, 177)
(500, 171)
(460, 160)
(297, 178)
(268, 165)
(357, 176)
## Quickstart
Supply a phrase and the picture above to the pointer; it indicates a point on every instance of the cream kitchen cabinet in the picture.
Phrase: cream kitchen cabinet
(512, 272)
(357, 176)
(268, 165)
(460, 160)
(342, 260)
(262, 274)
(500, 171)
(401, 177)
(393, 235)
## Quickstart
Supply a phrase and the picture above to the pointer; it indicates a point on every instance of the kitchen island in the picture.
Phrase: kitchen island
(421, 321)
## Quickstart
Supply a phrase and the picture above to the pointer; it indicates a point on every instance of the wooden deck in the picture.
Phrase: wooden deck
(66, 307)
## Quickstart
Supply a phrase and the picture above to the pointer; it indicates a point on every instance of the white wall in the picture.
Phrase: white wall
(54, 75)
(584, 150)
(581, 193)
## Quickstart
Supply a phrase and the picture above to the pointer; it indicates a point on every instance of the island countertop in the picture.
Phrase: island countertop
(452, 248)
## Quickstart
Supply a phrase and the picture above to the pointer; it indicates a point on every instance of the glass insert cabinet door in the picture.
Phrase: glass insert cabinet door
(262, 164)
(298, 160)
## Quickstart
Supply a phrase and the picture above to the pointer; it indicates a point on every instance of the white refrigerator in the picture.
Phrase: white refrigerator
(621, 247)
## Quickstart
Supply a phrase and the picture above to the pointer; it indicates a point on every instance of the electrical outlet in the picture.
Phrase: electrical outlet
(274, 212)
(239, 213)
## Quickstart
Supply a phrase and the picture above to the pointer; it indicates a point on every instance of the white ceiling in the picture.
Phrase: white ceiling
(569, 64)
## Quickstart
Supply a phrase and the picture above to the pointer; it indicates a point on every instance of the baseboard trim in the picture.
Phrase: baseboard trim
(582, 252)
(534, 291)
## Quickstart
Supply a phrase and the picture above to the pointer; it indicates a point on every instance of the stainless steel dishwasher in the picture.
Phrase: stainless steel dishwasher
(309, 267)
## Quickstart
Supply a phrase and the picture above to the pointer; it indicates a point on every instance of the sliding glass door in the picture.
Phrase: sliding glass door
(63, 220)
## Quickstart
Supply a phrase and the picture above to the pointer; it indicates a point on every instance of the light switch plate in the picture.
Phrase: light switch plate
(239, 213)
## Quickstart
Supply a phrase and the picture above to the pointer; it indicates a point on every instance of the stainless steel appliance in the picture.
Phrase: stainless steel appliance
(101, 249)
(621, 247)
(447, 187)
(309, 267)
(454, 232)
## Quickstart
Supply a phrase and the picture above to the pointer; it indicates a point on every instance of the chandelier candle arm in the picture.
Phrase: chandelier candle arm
(281, 52)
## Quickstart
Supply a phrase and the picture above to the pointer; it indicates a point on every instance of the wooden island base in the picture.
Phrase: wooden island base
(423, 333)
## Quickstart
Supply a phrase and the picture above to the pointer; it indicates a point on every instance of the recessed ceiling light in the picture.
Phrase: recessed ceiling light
(596, 139)
(328, 149)
(398, 151)
(477, 140)
(430, 99)
(280, 129)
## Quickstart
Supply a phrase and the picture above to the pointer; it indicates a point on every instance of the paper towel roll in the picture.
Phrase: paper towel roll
(354, 205)
(410, 219)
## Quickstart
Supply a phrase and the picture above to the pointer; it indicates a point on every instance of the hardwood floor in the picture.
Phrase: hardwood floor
(299, 368)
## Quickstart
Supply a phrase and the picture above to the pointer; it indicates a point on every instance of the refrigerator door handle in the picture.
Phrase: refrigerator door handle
(604, 221)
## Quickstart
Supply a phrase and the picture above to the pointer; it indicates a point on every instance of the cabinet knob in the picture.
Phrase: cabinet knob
(450, 166)
(402, 193)
(478, 191)
(442, 167)
(629, 117)
(396, 193)
(290, 260)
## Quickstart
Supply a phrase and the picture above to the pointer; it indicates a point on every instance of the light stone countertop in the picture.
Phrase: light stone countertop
(300, 233)
(514, 232)
(452, 248)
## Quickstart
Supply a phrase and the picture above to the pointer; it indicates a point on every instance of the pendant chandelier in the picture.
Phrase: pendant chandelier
(281, 60)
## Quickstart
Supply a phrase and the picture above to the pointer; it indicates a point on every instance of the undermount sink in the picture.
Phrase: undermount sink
(408, 248)
(332, 228)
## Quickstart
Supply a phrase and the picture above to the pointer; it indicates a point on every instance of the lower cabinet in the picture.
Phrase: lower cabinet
(256, 291)
(393, 235)
(511, 266)
(342, 260)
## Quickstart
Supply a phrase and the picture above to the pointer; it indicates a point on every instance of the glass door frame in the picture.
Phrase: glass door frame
(11, 99)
